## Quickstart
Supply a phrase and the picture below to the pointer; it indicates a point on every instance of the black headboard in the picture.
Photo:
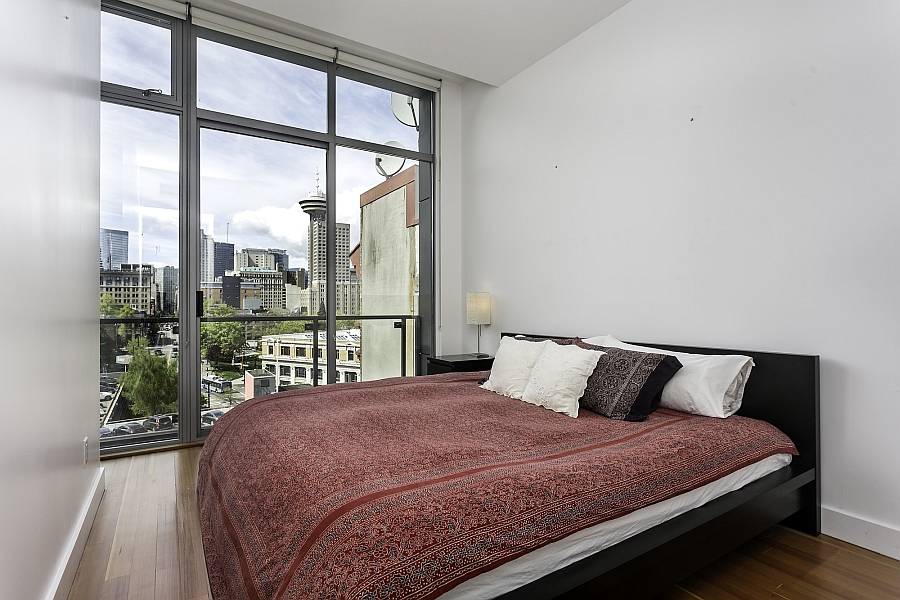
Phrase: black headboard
(783, 390)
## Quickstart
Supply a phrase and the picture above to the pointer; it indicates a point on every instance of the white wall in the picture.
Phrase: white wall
(49, 169)
(451, 314)
(711, 173)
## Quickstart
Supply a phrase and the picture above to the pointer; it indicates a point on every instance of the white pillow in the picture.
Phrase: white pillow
(512, 366)
(707, 384)
(560, 376)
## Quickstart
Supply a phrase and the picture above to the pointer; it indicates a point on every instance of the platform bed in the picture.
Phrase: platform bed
(783, 390)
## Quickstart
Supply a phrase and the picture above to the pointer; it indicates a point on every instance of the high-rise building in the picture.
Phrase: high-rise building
(167, 278)
(282, 260)
(313, 297)
(113, 249)
(223, 258)
(272, 259)
(207, 257)
(314, 206)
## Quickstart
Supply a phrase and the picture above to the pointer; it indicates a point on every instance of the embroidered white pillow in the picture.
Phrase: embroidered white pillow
(560, 376)
(710, 385)
(512, 366)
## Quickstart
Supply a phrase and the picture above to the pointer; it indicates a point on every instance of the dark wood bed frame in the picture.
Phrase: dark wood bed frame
(783, 390)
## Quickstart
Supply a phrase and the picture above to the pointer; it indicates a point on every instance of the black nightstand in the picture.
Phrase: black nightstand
(458, 363)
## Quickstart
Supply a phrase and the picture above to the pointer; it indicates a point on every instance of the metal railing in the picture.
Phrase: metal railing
(314, 324)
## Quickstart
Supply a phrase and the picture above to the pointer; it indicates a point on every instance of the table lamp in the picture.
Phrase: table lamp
(478, 312)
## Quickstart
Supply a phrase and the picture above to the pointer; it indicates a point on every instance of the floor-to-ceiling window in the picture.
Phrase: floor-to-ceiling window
(266, 223)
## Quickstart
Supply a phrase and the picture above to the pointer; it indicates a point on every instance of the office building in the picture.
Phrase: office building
(223, 259)
(113, 248)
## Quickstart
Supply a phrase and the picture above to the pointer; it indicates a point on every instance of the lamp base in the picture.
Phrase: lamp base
(479, 354)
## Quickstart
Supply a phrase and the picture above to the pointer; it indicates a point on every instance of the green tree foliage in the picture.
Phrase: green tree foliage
(220, 339)
(151, 382)
(108, 306)
(126, 330)
(346, 324)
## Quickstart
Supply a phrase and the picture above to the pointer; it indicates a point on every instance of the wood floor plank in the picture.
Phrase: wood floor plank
(833, 577)
(142, 585)
(167, 573)
(192, 564)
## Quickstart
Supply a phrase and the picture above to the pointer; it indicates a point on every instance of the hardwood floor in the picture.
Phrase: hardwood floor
(145, 543)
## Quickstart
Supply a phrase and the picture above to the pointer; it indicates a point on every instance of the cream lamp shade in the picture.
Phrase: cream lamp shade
(478, 308)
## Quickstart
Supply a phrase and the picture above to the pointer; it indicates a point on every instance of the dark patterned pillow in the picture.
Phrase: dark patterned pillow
(627, 385)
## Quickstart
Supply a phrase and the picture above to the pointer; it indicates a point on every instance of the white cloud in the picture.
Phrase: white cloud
(273, 226)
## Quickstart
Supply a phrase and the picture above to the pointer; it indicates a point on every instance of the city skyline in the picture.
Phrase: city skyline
(249, 188)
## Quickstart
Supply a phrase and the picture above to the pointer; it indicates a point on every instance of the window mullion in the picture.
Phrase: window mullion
(331, 228)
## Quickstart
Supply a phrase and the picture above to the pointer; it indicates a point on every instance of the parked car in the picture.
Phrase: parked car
(158, 423)
(211, 416)
(129, 428)
(106, 432)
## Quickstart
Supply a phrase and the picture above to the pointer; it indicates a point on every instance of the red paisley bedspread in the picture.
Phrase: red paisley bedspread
(404, 488)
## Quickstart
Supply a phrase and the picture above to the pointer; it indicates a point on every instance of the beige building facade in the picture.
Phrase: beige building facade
(289, 357)
(132, 285)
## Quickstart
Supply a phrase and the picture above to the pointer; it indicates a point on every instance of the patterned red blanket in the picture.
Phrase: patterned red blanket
(404, 488)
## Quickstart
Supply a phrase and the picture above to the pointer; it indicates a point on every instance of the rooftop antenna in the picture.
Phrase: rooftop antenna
(406, 109)
(388, 165)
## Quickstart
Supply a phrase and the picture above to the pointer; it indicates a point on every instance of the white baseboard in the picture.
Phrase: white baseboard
(64, 576)
(860, 532)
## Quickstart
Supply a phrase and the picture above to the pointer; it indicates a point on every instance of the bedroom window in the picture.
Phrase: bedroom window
(245, 189)
(137, 52)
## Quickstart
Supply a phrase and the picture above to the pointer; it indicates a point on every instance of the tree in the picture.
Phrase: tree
(220, 339)
(151, 382)
(126, 312)
(108, 306)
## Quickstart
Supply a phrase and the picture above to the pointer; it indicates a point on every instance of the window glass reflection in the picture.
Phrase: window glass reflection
(135, 53)
(373, 114)
(237, 82)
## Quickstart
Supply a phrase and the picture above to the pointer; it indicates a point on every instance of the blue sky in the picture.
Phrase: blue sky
(251, 184)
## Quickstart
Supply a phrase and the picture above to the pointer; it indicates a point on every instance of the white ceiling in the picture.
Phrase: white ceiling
(487, 40)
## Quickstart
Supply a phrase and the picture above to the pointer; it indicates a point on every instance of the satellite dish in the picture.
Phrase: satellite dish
(387, 165)
(406, 109)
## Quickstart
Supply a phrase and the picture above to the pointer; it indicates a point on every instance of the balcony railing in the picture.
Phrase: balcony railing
(152, 344)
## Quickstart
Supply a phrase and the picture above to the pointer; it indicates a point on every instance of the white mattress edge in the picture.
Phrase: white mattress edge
(580, 544)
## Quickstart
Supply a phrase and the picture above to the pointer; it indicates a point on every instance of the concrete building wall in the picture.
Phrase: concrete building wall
(388, 263)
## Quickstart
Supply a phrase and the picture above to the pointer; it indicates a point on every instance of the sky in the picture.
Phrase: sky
(249, 187)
